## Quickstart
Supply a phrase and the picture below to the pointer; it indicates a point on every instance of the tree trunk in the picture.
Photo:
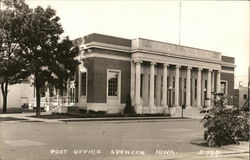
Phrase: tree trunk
(38, 97)
(4, 88)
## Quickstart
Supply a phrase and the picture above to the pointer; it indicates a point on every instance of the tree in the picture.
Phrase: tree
(48, 58)
(225, 125)
(12, 67)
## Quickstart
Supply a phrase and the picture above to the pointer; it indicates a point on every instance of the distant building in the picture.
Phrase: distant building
(241, 96)
(241, 80)
(18, 94)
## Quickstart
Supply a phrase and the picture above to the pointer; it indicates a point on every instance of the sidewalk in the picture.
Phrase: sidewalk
(29, 117)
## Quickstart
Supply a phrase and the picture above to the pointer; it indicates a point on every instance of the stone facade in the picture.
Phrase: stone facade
(158, 76)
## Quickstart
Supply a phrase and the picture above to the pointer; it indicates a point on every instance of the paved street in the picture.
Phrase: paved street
(164, 139)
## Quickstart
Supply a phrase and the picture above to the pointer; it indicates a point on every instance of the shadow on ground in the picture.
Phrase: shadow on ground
(11, 119)
(199, 142)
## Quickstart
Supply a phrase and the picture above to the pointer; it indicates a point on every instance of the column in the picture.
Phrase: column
(218, 84)
(132, 84)
(212, 88)
(212, 81)
(164, 86)
(199, 88)
(171, 87)
(137, 87)
(188, 87)
(209, 88)
(151, 85)
(182, 88)
(176, 101)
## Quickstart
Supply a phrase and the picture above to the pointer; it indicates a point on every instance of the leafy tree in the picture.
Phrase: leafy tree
(12, 66)
(48, 58)
(225, 125)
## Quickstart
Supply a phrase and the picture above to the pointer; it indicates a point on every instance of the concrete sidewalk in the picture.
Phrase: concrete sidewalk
(30, 117)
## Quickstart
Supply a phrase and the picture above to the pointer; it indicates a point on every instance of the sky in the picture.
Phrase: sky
(221, 26)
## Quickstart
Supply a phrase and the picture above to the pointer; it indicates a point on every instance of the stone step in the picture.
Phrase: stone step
(192, 112)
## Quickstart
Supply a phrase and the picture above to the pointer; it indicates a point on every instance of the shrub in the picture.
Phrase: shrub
(225, 125)
(96, 112)
(129, 109)
(245, 107)
(82, 111)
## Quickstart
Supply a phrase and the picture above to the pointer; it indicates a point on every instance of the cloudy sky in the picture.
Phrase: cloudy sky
(217, 26)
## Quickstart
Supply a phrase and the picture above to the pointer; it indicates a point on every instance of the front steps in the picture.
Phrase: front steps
(190, 112)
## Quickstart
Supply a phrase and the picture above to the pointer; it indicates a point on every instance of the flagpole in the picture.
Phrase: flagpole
(180, 24)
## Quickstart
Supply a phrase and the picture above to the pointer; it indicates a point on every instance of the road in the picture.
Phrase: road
(165, 139)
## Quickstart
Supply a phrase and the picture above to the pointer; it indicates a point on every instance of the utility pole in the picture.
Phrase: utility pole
(180, 24)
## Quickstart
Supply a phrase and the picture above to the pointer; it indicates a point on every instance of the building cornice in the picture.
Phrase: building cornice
(226, 64)
(176, 56)
(226, 71)
(128, 50)
(106, 56)
(108, 47)
(125, 49)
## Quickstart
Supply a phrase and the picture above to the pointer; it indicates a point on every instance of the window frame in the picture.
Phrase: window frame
(80, 86)
(226, 86)
(119, 84)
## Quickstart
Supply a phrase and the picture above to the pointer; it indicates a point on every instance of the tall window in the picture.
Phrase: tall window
(195, 89)
(168, 81)
(173, 82)
(113, 83)
(185, 83)
(161, 86)
(83, 83)
(141, 89)
(206, 84)
(155, 77)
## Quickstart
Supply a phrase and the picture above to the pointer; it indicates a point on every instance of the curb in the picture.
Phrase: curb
(37, 119)
(123, 119)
